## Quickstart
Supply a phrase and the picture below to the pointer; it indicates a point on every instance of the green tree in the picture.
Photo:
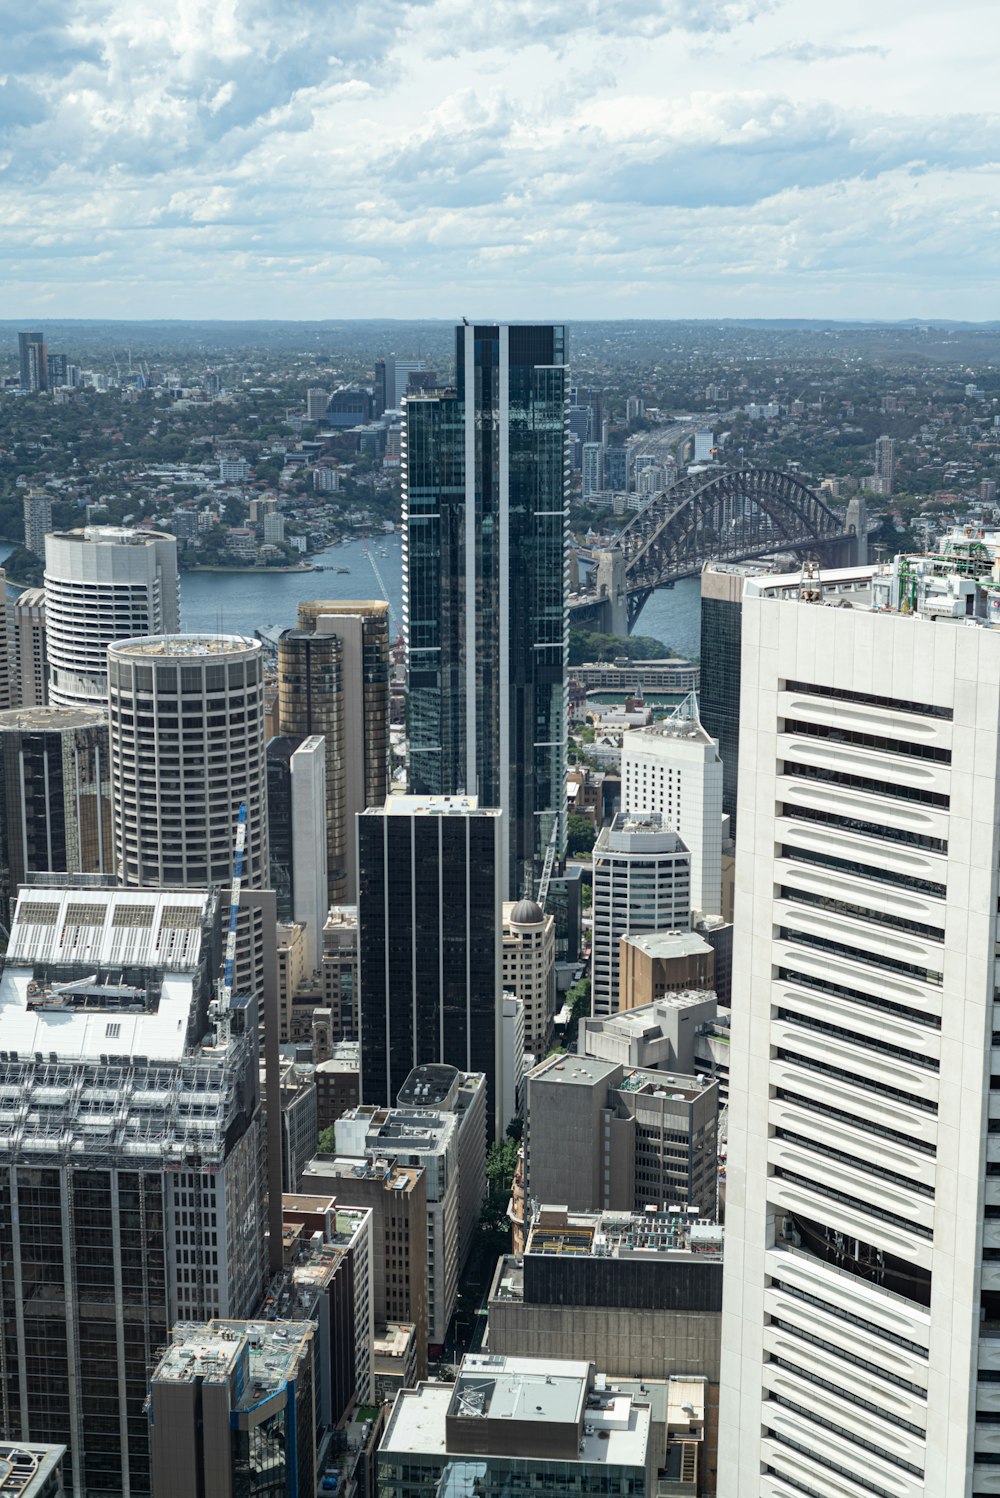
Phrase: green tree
(501, 1163)
(580, 834)
(587, 645)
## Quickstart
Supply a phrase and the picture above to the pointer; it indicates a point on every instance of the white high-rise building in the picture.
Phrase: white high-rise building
(674, 768)
(861, 1319)
(37, 520)
(593, 468)
(642, 882)
(885, 464)
(309, 897)
(103, 583)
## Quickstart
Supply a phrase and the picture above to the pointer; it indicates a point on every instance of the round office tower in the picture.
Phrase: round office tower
(103, 583)
(187, 749)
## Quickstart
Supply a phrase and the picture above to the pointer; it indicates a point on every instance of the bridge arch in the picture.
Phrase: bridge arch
(732, 515)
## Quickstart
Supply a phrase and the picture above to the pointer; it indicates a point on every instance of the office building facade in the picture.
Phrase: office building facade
(55, 794)
(131, 1163)
(861, 1314)
(296, 810)
(529, 954)
(333, 679)
(642, 882)
(103, 583)
(485, 496)
(674, 768)
(429, 942)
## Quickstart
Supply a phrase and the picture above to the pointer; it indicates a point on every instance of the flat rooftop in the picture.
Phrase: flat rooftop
(27, 1466)
(186, 646)
(210, 1351)
(526, 1389)
(432, 806)
(659, 1234)
(50, 720)
(667, 944)
(574, 1071)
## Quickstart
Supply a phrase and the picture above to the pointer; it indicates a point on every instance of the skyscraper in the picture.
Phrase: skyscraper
(861, 1316)
(55, 795)
(32, 362)
(674, 768)
(429, 942)
(885, 464)
(333, 679)
(37, 520)
(642, 882)
(28, 657)
(131, 1164)
(485, 584)
(103, 583)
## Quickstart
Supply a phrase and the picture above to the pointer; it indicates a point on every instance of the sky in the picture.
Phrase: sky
(500, 158)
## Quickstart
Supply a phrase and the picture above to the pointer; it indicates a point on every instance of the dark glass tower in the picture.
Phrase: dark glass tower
(429, 942)
(719, 694)
(485, 477)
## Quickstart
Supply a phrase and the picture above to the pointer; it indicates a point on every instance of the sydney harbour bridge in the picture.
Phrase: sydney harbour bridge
(728, 516)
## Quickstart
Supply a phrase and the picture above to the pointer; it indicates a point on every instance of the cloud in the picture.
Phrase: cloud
(813, 52)
(243, 157)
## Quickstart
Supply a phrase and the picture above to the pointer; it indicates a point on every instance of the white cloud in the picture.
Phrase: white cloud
(666, 157)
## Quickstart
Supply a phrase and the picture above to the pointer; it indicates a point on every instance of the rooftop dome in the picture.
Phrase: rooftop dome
(526, 913)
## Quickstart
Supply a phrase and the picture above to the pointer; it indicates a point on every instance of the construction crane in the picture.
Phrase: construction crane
(550, 858)
(225, 993)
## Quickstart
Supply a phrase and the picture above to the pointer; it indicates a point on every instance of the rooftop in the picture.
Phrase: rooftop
(112, 535)
(186, 645)
(211, 1350)
(26, 1468)
(350, 1167)
(668, 943)
(574, 1070)
(666, 1233)
(50, 720)
(431, 806)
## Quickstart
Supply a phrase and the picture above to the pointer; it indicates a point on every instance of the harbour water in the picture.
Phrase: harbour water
(240, 602)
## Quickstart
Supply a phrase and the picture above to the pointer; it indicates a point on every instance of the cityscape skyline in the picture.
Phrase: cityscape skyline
(735, 157)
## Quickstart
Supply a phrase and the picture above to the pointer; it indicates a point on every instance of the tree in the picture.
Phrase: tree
(326, 1144)
(580, 834)
(501, 1163)
(587, 645)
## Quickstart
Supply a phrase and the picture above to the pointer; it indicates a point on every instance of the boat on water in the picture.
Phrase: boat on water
(343, 569)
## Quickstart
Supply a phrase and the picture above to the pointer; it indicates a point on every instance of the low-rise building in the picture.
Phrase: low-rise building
(28, 1470)
(394, 1361)
(518, 1422)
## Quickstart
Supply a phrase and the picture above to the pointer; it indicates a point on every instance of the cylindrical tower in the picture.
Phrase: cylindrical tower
(55, 794)
(187, 748)
(103, 583)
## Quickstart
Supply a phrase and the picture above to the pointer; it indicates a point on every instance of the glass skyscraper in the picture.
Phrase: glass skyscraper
(485, 573)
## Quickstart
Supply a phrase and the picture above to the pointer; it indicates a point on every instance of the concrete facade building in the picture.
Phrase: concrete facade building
(861, 1321)
(103, 583)
(602, 1136)
(29, 654)
(637, 1292)
(339, 971)
(642, 882)
(662, 962)
(445, 1089)
(333, 679)
(31, 1471)
(296, 800)
(131, 1162)
(528, 969)
(510, 1422)
(55, 795)
(885, 464)
(674, 768)
(429, 1141)
(660, 1036)
(430, 943)
(397, 1196)
(37, 520)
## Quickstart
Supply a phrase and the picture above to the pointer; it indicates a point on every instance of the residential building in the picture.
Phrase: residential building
(316, 403)
(673, 767)
(592, 470)
(885, 464)
(429, 942)
(273, 529)
(634, 1291)
(131, 1162)
(603, 1136)
(862, 1304)
(32, 354)
(230, 1400)
(55, 795)
(511, 1422)
(233, 470)
(31, 1471)
(642, 882)
(397, 1196)
(528, 969)
(103, 583)
(485, 587)
(430, 1141)
(662, 962)
(333, 679)
(673, 675)
(37, 520)
(29, 685)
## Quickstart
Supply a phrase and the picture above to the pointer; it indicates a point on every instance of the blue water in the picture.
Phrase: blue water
(240, 602)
